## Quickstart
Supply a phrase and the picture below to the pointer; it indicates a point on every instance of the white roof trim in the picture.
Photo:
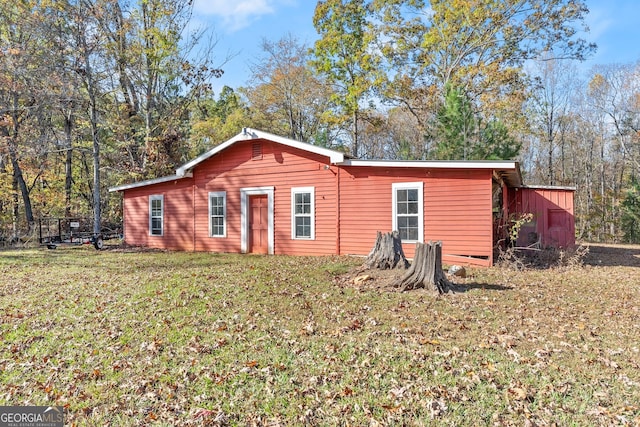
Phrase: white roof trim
(184, 171)
(436, 164)
(149, 182)
(509, 170)
(549, 187)
(248, 134)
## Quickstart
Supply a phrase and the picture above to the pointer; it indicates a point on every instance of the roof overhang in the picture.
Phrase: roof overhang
(149, 182)
(511, 177)
(507, 170)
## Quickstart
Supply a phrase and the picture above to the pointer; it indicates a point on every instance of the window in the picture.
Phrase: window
(407, 211)
(218, 214)
(302, 210)
(156, 215)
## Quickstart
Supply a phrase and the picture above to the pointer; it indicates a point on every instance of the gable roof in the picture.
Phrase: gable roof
(507, 170)
(248, 134)
(185, 171)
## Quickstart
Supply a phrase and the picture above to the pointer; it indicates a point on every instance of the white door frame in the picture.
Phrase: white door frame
(245, 193)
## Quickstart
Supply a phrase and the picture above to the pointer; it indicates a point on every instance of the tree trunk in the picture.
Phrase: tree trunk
(21, 185)
(356, 135)
(18, 178)
(387, 252)
(68, 163)
(426, 270)
(91, 86)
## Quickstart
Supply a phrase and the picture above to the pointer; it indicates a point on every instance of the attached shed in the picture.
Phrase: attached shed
(553, 220)
(262, 193)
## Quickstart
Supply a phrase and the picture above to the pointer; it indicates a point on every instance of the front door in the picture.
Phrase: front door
(259, 224)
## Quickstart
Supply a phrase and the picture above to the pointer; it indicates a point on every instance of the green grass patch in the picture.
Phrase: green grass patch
(164, 338)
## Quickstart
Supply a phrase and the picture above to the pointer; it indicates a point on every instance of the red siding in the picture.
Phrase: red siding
(457, 204)
(280, 167)
(553, 217)
(178, 215)
(457, 210)
(365, 201)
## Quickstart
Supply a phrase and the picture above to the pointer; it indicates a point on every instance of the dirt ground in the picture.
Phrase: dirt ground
(612, 255)
(598, 255)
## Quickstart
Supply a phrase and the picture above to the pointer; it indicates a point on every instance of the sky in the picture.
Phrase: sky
(241, 25)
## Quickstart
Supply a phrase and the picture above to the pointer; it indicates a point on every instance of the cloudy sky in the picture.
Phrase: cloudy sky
(240, 25)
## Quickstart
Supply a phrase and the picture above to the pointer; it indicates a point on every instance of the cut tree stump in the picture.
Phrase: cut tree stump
(387, 252)
(426, 270)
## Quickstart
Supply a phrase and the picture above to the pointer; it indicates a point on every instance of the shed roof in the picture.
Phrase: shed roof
(507, 170)
(551, 187)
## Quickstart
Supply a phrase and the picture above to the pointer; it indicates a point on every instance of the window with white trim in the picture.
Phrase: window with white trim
(408, 216)
(156, 215)
(218, 214)
(303, 213)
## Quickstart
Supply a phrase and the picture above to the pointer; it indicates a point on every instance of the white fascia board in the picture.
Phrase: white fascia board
(509, 169)
(248, 133)
(149, 182)
(435, 164)
(549, 187)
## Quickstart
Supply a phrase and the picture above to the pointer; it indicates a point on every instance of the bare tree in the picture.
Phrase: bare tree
(285, 96)
(25, 89)
(554, 85)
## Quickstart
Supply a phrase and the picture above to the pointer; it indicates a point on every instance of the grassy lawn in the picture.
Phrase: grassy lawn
(155, 338)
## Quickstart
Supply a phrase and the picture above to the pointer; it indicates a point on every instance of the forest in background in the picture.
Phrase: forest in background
(97, 93)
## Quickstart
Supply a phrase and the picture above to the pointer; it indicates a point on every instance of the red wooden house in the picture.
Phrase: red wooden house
(262, 193)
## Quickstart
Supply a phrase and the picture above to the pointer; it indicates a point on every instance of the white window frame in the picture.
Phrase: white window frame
(153, 198)
(311, 215)
(409, 186)
(222, 194)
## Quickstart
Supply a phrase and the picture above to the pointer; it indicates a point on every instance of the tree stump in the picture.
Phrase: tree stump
(426, 270)
(387, 252)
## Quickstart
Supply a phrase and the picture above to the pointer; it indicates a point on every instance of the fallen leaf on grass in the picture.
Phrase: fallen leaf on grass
(437, 408)
(354, 326)
(309, 329)
(517, 393)
(397, 393)
(514, 354)
(361, 279)
(215, 417)
(608, 363)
